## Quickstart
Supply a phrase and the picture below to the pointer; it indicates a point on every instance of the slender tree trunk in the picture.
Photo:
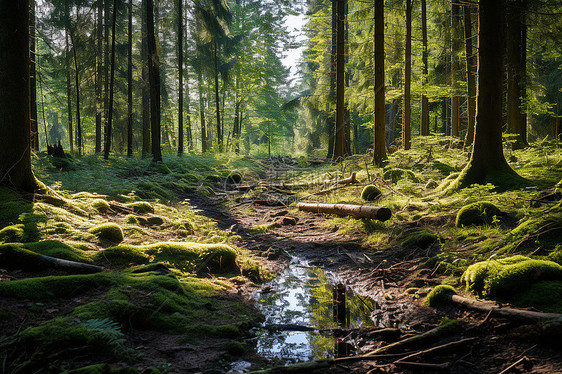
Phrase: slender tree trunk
(99, 72)
(33, 78)
(180, 77)
(347, 115)
(217, 99)
(69, 91)
(154, 79)
(130, 83)
(487, 163)
(106, 67)
(470, 75)
(515, 124)
(108, 130)
(424, 120)
(523, 71)
(77, 82)
(339, 145)
(202, 116)
(15, 129)
(145, 100)
(379, 152)
(330, 117)
(455, 47)
(407, 127)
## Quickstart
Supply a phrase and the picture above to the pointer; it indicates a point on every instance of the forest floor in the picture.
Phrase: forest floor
(171, 301)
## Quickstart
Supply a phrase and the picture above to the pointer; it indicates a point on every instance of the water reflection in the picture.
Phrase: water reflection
(302, 295)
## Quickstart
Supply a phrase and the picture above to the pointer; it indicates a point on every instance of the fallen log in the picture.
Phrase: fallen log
(509, 312)
(349, 180)
(343, 210)
(15, 256)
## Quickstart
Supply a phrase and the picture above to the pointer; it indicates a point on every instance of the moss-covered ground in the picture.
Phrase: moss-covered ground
(169, 272)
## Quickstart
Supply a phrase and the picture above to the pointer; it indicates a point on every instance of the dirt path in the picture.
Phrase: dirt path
(382, 274)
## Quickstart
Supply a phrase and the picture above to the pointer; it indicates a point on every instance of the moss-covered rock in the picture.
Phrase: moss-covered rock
(141, 207)
(418, 238)
(55, 248)
(234, 177)
(543, 295)
(395, 175)
(101, 205)
(13, 233)
(131, 219)
(121, 255)
(513, 274)
(476, 214)
(109, 232)
(439, 295)
(370, 193)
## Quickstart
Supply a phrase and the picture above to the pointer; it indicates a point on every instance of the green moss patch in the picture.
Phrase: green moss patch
(44, 288)
(477, 214)
(101, 205)
(500, 278)
(141, 207)
(543, 295)
(13, 233)
(55, 248)
(110, 232)
(395, 175)
(370, 193)
(190, 257)
(439, 295)
(418, 238)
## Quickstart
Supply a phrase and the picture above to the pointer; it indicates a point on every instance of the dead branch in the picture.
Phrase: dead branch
(440, 348)
(512, 366)
(430, 335)
(421, 365)
(343, 210)
(508, 312)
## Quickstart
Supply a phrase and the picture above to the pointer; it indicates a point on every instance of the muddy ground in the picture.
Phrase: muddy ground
(383, 274)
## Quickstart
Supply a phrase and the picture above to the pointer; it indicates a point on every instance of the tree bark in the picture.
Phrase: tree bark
(15, 129)
(202, 116)
(130, 83)
(69, 87)
(424, 120)
(77, 83)
(154, 80)
(330, 115)
(470, 75)
(339, 140)
(356, 211)
(145, 84)
(33, 78)
(217, 99)
(407, 126)
(180, 77)
(487, 163)
(379, 151)
(108, 130)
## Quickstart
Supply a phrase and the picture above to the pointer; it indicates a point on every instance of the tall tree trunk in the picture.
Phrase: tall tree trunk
(407, 127)
(130, 83)
(145, 86)
(523, 71)
(188, 131)
(154, 79)
(15, 129)
(470, 75)
(347, 115)
(217, 99)
(77, 82)
(33, 78)
(379, 151)
(99, 72)
(514, 69)
(330, 116)
(108, 130)
(487, 163)
(339, 144)
(424, 120)
(106, 67)
(69, 90)
(455, 68)
(202, 115)
(180, 77)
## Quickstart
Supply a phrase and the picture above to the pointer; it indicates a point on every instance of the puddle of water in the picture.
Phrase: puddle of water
(303, 295)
